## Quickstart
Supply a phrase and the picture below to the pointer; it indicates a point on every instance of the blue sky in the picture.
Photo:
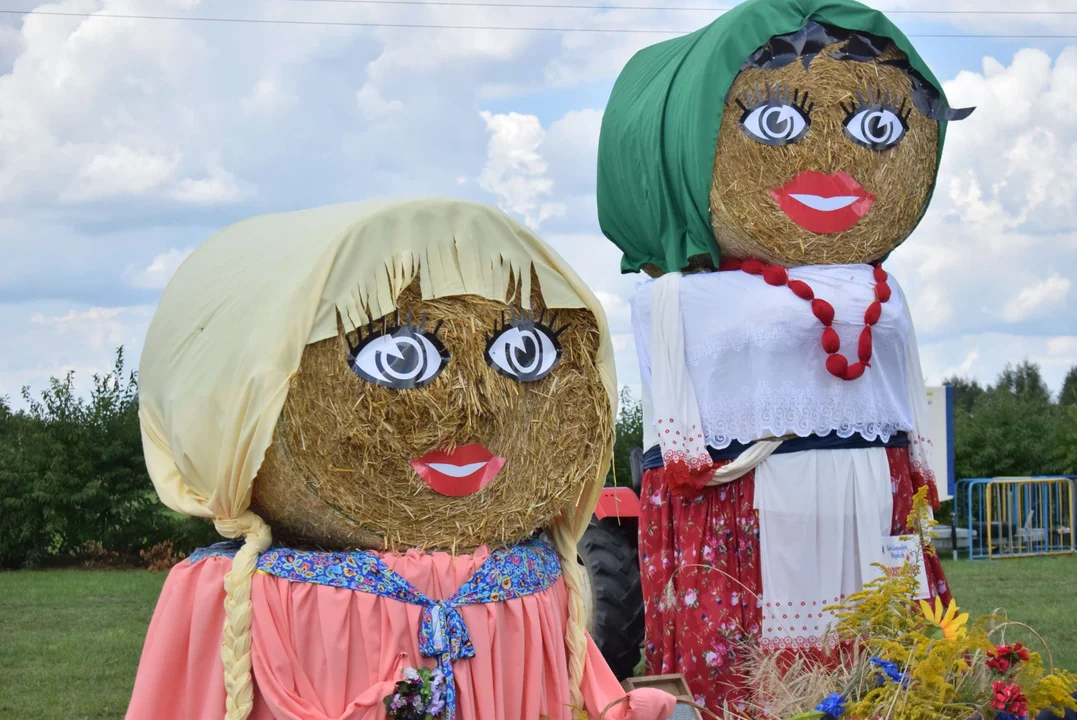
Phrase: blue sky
(126, 143)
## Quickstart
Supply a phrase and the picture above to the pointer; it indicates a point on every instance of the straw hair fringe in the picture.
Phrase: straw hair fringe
(236, 635)
(457, 264)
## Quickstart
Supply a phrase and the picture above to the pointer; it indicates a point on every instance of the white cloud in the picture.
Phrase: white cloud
(48, 339)
(931, 309)
(375, 107)
(1029, 180)
(616, 307)
(268, 96)
(156, 275)
(1037, 298)
(527, 163)
(992, 351)
(515, 171)
(621, 341)
(1062, 346)
(100, 328)
(997, 250)
(220, 186)
(116, 157)
(963, 369)
(569, 140)
(120, 170)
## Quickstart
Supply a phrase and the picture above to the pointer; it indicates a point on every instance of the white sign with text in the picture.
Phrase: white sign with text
(902, 550)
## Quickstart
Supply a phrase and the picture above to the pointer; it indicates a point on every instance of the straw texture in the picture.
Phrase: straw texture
(747, 221)
(337, 474)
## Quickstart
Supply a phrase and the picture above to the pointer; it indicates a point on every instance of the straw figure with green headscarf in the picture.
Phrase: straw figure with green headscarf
(760, 170)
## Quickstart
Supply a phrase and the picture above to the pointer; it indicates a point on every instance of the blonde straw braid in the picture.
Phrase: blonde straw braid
(236, 637)
(564, 541)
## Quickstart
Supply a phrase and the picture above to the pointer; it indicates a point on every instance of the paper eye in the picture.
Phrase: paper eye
(524, 349)
(401, 357)
(777, 117)
(875, 122)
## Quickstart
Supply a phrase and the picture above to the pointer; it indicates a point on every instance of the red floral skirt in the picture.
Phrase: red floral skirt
(699, 556)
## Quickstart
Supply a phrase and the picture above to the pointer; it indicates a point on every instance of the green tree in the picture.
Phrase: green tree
(966, 392)
(1024, 381)
(1065, 444)
(72, 471)
(629, 431)
(1068, 396)
(1010, 428)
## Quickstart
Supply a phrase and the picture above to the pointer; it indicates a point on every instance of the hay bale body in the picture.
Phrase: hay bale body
(338, 475)
(747, 221)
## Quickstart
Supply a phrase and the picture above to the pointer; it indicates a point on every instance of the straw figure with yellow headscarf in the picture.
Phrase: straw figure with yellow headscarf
(402, 412)
(760, 170)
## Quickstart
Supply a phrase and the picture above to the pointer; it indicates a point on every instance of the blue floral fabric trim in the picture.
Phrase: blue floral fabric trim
(508, 573)
(228, 548)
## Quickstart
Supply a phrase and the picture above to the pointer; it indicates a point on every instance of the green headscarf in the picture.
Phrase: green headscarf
(660, 128)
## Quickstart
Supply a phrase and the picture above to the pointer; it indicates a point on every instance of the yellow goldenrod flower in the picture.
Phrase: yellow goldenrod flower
(949, 622)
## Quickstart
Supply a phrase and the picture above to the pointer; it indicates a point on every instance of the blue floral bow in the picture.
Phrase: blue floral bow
(513, 572)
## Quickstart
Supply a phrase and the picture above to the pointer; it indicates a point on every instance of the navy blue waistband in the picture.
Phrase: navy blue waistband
(653, 457)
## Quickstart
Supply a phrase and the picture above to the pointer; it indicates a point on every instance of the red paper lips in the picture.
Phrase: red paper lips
(823, 204)
(463, 471)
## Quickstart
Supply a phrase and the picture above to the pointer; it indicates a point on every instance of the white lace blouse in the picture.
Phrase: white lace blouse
(754, 355)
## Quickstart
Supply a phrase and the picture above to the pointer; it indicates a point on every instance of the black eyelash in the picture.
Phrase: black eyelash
(409, 322)
(519, 316)
(878, 98)
(779, 94)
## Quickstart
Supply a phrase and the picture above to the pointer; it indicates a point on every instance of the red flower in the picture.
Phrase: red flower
(1006, 656)
(1009, 698)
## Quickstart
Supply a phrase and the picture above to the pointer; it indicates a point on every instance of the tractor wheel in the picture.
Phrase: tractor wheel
(610, 555)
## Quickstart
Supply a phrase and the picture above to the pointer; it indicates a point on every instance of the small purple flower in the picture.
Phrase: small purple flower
(420, 693)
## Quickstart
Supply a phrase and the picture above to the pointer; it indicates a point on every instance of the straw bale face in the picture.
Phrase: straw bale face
(340, 475)
(753, 209)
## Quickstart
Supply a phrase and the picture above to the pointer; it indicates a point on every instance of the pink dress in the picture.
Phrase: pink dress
(326, 653)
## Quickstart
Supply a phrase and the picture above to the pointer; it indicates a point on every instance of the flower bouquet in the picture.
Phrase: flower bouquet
(897, 658)
(419, 696)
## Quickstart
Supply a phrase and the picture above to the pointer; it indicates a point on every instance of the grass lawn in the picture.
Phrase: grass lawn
(1038, 591)
(70, 640)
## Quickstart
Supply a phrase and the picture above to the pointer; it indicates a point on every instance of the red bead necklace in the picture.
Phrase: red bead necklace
(836, 364)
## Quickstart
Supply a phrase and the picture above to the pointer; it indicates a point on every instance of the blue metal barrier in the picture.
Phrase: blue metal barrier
(1017, 517)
